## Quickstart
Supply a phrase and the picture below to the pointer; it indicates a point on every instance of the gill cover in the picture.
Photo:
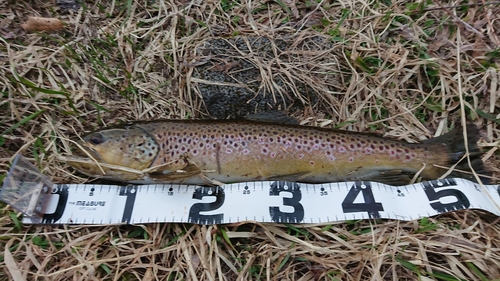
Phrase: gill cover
(129, 147)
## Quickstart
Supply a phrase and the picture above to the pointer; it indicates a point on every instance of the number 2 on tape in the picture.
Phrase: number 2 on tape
(195, 215)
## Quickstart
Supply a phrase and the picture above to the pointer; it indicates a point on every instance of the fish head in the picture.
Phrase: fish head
(129, 147)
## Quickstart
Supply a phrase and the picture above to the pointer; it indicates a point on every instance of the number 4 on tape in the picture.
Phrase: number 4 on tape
(368, 205)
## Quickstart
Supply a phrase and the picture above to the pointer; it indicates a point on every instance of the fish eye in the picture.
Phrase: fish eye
(96, 138)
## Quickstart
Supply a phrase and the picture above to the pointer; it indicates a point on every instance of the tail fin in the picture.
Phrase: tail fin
(454, 141)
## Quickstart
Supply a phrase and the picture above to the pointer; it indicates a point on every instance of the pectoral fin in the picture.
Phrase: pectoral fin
(188, 171)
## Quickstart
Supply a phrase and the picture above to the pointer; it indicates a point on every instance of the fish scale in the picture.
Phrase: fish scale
(241, 151)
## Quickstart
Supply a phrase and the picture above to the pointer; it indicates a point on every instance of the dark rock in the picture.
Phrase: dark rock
(259, 71)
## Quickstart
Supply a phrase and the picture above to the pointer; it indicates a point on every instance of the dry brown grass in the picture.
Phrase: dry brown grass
(394, 68)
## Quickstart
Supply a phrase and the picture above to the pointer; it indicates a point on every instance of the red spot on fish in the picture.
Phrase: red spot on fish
(311, 162)
(273, 154)
(351, 159)
(392, 152)
(228, 150)
(301, 156)
(342, 149)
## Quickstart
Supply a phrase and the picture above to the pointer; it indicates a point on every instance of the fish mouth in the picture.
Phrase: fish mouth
(85, 159)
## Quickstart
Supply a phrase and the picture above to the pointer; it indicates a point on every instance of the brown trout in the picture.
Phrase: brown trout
(226, 151)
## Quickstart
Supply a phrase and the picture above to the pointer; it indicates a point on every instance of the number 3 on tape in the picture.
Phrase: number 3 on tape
(298, 210)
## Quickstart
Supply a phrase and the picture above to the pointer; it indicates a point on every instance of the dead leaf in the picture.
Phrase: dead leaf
(480, 48)
(42, 24)
(226, 66)
(11, 264)
(197, 61)
(195, 261)
(8, 35)
(293, 8)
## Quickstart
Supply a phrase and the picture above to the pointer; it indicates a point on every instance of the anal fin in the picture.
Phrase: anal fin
(394, 177)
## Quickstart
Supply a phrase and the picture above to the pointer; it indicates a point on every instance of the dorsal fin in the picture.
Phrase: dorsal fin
(274, 116)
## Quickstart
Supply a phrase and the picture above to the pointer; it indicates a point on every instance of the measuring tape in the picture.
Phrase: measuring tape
(27, 190)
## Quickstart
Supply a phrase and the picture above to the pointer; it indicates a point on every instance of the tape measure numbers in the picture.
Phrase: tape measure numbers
(270, 201)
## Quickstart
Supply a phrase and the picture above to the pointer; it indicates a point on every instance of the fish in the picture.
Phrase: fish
(216, 152)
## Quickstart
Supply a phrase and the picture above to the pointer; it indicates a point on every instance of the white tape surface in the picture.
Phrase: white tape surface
(28, 191)
(280, 202)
